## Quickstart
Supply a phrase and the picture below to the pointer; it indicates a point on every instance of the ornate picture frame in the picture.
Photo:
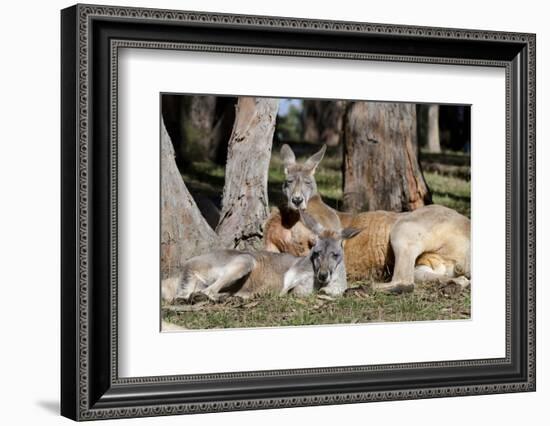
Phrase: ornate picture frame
(91, 38)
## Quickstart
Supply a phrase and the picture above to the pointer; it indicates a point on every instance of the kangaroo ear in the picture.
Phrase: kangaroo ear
(348, 233)
(313, 161)
(311, 223)
(287, 156)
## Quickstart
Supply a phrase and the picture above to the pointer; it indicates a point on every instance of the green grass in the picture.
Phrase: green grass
(449, 191)
(447, 176)
(427, 302)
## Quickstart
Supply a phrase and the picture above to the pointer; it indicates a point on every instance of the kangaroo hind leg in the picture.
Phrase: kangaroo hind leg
(190, 282)
(403, 272)
(235, 269)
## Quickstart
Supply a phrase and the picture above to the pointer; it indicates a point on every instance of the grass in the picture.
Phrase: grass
(360, 305)
(449, 191)
(447, 176)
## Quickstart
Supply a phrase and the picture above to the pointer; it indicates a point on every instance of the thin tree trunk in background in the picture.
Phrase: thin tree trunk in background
(198, 126)
(199, 121)
(184, 231)
(433, 129)
(381, 168)
(196, 120)
(245, 201)
(310, 120)
(332, 122)
(427, 122)
(323, 121)
(221, 130)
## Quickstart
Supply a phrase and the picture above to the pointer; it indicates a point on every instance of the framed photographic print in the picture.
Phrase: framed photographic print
(263, 212)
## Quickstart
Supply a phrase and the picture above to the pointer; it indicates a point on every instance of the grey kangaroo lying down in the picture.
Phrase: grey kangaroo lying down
(247, 273)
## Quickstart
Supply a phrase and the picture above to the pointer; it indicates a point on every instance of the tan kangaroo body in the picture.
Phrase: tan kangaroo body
(285, 233)
(370, 252)
(431, 243)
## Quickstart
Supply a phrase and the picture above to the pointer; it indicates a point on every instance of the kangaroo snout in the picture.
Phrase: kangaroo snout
(323, 277)
(297, 201)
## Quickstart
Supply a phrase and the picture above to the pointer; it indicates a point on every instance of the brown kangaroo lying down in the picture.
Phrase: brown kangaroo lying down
(247, 273)
(431, 243)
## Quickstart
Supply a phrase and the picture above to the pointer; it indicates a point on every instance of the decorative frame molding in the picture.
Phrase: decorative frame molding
(91, 37)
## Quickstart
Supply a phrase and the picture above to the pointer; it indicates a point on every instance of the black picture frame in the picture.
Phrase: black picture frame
(90, 386)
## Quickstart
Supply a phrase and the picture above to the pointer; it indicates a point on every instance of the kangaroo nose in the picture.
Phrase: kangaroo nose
(297, 200)
(323, 276)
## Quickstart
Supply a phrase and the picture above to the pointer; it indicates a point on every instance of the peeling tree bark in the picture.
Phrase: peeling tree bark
(245, 202)
(184, 231)
(381, 167)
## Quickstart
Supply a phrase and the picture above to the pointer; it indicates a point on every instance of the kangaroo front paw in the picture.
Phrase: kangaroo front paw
(332, 291)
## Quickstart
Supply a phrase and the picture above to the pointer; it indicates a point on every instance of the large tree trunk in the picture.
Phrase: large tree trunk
(245, 202)
(184, 231)
(323, 121)
(381, 168)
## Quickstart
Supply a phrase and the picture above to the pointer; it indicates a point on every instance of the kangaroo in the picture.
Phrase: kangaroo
(300, 190)
(245, 274)
(431, 243)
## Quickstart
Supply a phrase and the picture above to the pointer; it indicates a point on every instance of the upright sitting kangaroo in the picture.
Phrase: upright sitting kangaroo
(247, 273)
(431, 243)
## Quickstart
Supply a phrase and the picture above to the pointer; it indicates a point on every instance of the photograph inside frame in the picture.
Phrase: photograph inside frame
(283, 212)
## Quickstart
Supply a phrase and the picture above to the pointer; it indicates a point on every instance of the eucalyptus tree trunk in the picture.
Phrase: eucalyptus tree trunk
(245, 201)
(381, 167)
(184, 231)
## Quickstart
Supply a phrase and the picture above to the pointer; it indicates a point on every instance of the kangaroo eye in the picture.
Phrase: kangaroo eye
(308, 182)
(335, 255)
(314, 254)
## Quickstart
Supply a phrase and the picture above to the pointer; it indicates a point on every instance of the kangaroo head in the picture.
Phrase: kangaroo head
(327, 252)
(300, 183)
